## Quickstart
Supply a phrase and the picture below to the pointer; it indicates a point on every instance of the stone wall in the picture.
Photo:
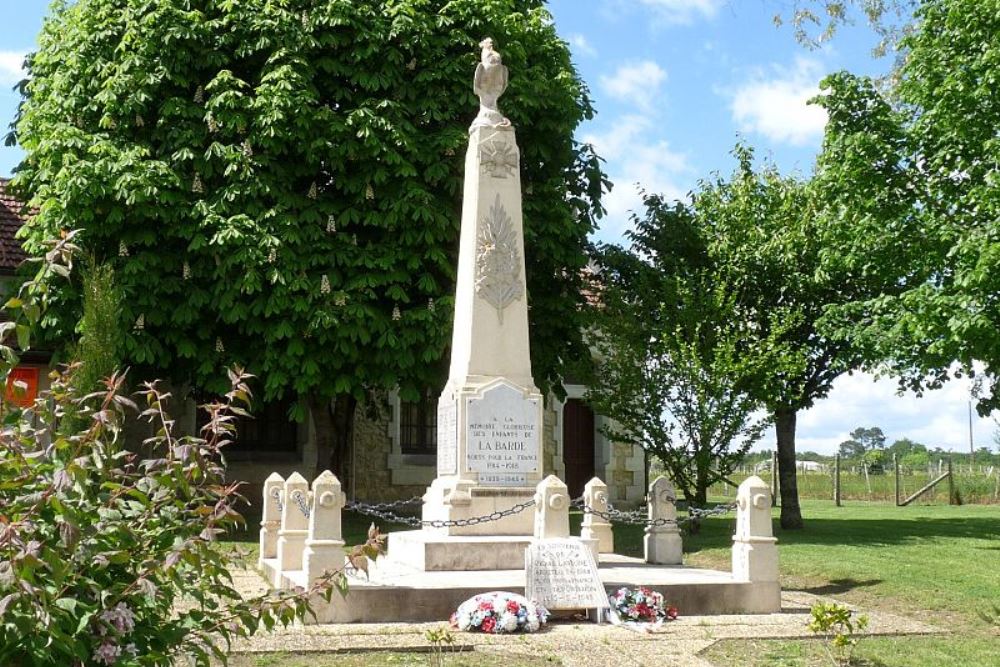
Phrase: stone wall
(372, 446)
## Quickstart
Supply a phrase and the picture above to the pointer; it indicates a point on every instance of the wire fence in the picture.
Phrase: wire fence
(972, 484)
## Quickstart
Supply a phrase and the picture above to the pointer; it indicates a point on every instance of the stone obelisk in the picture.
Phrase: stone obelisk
(490, 412)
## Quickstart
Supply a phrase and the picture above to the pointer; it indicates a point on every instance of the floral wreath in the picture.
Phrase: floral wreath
(641, 609)
(499, 612)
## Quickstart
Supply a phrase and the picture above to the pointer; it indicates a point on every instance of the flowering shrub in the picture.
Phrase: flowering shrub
(641, 605)
(109, 557)
(499, 612)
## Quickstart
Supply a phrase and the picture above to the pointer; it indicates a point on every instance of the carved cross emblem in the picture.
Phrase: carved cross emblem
(498, 158)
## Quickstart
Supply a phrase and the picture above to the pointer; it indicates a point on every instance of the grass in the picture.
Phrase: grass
(940, 564)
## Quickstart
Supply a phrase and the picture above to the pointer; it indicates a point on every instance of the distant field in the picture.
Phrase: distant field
(975, 489)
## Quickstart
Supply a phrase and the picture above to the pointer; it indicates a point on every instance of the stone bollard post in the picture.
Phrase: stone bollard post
(596, 527)
(294, 526)
(270, 519)
(662, 542)
(551, 509)
(755, 550)
(324, 546)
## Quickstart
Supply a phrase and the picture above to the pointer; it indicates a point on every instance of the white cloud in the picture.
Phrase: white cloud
(637, 83)
(581, 45)
(636, 156)
(775, 106)
(683, 11)
(938, 419)
(10, 67)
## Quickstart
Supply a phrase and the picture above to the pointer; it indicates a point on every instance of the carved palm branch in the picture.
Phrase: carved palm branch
(498, 260)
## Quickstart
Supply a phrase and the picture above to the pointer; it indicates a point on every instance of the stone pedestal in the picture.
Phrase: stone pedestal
(270, 520)
(595, 526)
(294, 524)
(755, 549)
(662, 542)
(324, 548)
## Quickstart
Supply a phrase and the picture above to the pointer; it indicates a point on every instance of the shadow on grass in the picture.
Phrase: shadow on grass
(837, 586)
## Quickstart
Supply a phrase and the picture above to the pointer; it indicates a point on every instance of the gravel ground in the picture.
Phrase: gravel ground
(575, 644)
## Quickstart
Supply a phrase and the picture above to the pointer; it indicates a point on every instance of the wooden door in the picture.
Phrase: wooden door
(578, 445)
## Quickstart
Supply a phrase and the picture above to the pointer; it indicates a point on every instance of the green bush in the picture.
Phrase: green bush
(108, 557)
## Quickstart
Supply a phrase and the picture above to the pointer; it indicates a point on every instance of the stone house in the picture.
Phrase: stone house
(395, 442)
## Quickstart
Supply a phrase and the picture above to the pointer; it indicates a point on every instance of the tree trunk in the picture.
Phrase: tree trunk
(784, 426)
(334, 425)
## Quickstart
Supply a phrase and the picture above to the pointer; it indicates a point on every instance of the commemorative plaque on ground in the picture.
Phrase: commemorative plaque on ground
(562, 574)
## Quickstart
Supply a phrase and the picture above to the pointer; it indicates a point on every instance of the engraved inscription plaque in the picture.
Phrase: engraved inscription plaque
(562, 574)
(447, 435)
(502, 433)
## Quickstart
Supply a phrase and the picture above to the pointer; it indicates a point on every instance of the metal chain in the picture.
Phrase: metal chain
(299, 498)
(377, 510)
(386, 507)
(276, 495)
(640, 516)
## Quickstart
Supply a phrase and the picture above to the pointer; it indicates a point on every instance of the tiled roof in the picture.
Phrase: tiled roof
(11, 219)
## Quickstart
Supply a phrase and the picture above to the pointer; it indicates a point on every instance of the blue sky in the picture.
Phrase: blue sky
(676, 83)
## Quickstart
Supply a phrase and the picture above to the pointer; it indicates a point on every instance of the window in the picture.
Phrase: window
(418, 426)
(269, 435)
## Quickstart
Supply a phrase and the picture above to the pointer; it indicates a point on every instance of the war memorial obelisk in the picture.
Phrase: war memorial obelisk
(489, 450)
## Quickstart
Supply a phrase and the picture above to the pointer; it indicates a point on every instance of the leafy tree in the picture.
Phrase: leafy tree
(905, 446)
(817, 21)
(871, 438)
(851, 449)
(277, 184)
(677, 356)
(768, 230)
(943, 244)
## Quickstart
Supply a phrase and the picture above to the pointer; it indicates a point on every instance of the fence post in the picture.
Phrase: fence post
(774, 478)
(324, 548)
(294, 526)
(270, 518)
(895, 465)
(662, 543)
(836, 480)
(551, 509)
(951, 484)
(595, 526)
(755, 552)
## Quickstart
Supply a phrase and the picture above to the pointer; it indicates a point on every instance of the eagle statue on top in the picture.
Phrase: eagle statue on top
(489, 84)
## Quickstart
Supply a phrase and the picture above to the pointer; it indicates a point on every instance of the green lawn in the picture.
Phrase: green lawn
(940, 564)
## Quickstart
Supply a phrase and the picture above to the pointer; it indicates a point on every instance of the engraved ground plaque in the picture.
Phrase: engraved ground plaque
(503, 434)
(562, 574)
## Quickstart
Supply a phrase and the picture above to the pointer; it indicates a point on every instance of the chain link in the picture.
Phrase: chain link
(276, 495)
(384, 511)
(299, 498)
